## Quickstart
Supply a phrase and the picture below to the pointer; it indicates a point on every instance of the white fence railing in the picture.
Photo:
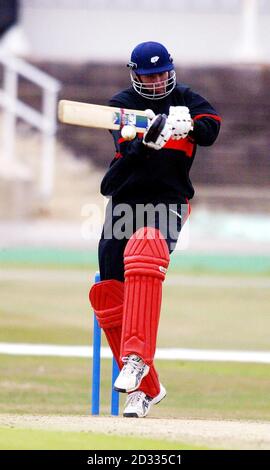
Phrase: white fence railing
(44, 121)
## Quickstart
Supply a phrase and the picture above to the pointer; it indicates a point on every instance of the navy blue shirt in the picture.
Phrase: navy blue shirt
(139, 174)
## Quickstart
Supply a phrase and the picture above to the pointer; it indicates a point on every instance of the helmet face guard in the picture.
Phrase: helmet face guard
(152, 90)
(151, 58)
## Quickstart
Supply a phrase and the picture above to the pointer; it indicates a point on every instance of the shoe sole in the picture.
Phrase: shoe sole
(134, 415)
(120, 390)
(157, 402)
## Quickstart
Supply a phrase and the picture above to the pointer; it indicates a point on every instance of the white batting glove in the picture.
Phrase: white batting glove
(180, 121)
(158, 132)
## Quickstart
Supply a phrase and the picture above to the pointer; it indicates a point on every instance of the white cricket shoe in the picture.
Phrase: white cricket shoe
(138, 404)
(131, 375)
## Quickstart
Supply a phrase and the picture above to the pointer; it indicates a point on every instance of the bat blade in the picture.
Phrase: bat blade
(104, 117)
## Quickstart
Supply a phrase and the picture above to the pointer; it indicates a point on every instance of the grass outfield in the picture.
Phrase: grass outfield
(61, 386)
(56, 310)
(33, 439)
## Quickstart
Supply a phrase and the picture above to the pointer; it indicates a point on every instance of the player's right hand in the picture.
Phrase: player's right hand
(158, 132)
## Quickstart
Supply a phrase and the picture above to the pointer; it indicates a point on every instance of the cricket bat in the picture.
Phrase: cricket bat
(104, 117)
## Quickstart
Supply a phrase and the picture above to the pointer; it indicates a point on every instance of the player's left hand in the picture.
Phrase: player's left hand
(158, 132)
(180, 121)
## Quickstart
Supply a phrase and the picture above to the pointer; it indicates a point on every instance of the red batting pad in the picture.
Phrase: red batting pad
(106, 298)
(146, 259)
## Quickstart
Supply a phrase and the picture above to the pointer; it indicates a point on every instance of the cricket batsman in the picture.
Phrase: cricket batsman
(149, 187)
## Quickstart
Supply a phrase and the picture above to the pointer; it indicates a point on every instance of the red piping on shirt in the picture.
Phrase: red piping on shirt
(213, 116)
(185, 145)
(118, 155)
(121, 140)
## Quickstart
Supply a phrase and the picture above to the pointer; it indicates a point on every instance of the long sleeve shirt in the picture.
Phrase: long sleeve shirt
(139, 174)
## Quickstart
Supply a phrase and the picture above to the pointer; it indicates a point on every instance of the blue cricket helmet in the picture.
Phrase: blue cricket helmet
(150, 57)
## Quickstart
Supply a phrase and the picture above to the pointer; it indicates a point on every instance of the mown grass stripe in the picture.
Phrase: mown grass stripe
(194, 262)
